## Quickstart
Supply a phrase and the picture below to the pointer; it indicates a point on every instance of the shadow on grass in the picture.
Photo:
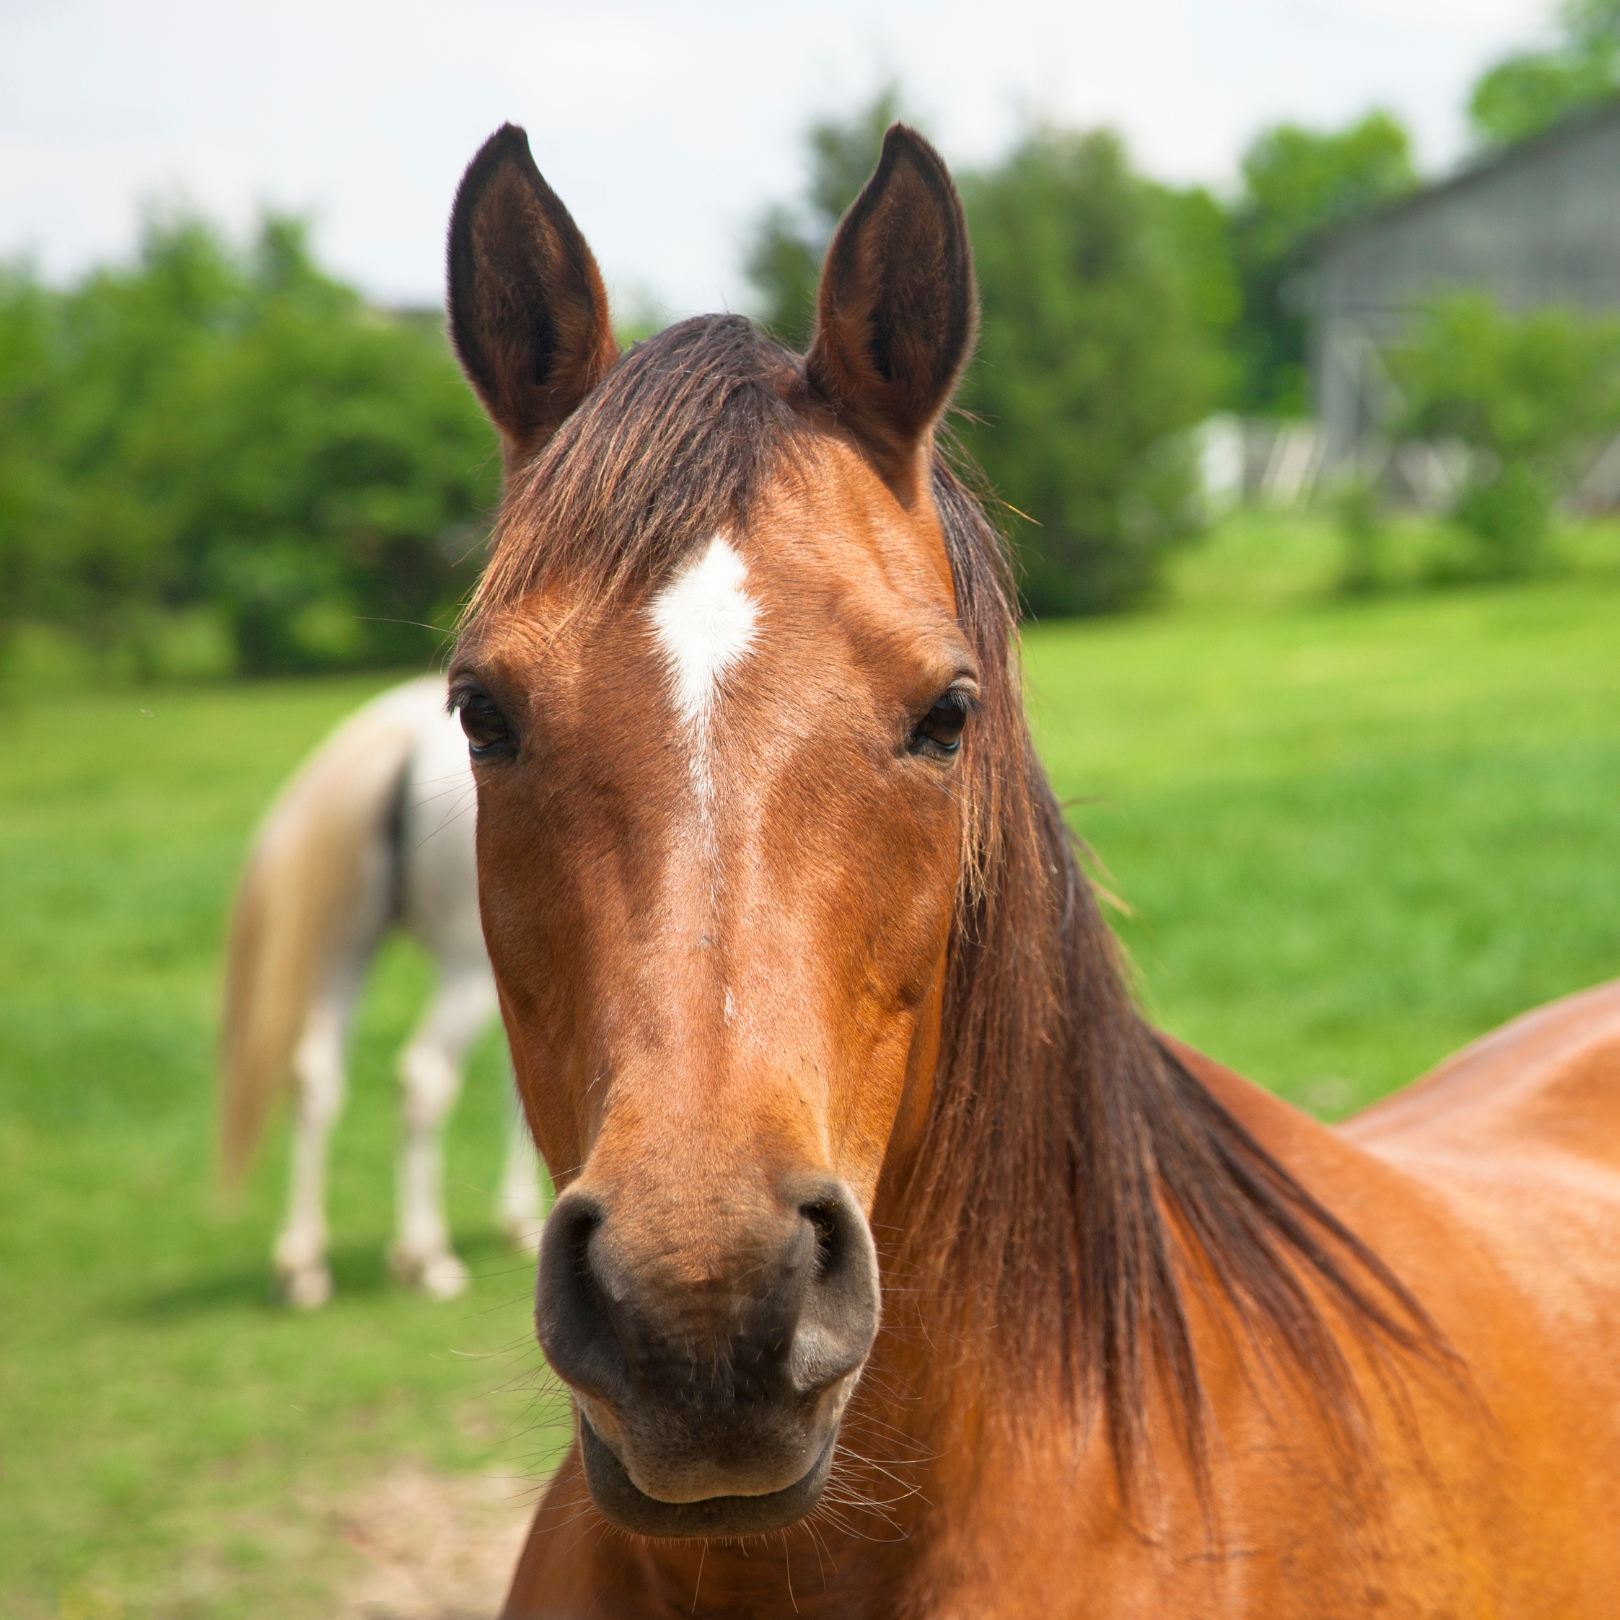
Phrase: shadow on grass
(359, 1271)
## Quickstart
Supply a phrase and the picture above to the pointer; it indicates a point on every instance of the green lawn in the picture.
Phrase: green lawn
(170, 1441)
(1352, 837)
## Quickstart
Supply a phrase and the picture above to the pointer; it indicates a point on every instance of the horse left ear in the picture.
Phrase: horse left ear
(528, 312)
(897, 310)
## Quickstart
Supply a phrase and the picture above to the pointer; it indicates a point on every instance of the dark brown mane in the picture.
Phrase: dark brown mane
(1070, 1154)
(1073, 1169)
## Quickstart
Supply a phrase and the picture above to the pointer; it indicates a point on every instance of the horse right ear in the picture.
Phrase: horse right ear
(528, 312)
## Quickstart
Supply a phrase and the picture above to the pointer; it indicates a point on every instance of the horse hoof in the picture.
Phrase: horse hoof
(439, 1276)
(443, 1277)
(306, 1288)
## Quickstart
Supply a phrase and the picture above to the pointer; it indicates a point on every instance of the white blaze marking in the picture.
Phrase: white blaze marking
(705, 624)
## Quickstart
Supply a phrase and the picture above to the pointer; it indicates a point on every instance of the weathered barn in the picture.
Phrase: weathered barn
(1535, 224)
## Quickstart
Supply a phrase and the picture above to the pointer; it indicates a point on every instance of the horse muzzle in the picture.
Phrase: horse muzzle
(710, 1387)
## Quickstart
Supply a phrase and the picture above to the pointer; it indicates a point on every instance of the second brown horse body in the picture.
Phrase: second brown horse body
(899, 1268)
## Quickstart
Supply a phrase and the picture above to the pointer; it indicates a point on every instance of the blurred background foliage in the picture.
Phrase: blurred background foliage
(788, 241)
(218, 459)
(1104, 299)
(236, 432)
(1527, 395)
(1118, 313)
(1297, 182)
(1530, 90)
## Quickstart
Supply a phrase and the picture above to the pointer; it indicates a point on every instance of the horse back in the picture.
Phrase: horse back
(1549, 1082)
(1518, 1136)
(1492, 1189)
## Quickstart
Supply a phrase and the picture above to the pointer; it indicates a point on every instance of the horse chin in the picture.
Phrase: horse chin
(621, 1500)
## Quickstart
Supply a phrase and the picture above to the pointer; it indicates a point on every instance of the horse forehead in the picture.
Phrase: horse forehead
(738, 601)
(831, 586)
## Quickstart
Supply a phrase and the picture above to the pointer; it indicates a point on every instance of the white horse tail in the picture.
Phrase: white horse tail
(298, 899)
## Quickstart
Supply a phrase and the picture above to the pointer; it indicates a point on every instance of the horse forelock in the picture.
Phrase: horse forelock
(674, 447)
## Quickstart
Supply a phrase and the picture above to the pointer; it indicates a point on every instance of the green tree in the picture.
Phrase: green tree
(1102, 299)
(1530, 90)
(29, 483)
(1528, 393)
(789, 243)
(237, 429)
(118, 366)
(1296, 182)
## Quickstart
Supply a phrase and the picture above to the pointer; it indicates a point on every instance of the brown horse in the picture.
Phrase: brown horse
(902, 1269)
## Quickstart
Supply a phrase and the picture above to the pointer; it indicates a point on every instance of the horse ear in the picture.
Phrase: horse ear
(528, 312)
(897, 309)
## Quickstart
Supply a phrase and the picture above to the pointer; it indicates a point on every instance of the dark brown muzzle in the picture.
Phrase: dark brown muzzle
(710, 1389)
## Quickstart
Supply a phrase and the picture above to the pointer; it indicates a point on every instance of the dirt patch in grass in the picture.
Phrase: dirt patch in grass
(433, 1546)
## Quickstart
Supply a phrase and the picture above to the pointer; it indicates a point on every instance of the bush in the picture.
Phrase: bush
(1362, 528)
(238, 430)
(1509, 515)
(1528, 394)
(1103, 300)
(1102, 297)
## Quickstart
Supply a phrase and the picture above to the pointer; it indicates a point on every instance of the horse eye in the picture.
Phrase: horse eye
(484, 725)
(940, 730)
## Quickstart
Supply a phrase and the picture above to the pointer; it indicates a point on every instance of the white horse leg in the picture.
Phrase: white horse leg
(520, 1205)
(430, 1072)
(300, 1250)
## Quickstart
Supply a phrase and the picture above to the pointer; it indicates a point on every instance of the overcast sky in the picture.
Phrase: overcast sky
(665, 126)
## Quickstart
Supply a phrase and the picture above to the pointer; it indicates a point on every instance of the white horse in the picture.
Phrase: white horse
(375, 830)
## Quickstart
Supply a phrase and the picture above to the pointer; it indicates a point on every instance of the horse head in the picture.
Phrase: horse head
(721, 707)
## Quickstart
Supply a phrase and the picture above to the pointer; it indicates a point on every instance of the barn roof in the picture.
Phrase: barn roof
(1566, 132)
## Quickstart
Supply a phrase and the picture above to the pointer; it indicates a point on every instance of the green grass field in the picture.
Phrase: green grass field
(1352, 835)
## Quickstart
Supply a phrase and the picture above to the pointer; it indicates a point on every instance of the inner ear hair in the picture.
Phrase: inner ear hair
(897, 311)
(528, 311)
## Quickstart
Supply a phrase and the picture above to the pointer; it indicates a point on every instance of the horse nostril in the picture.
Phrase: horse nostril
(839, 1316)
(571, 1311)
(830, 1248)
